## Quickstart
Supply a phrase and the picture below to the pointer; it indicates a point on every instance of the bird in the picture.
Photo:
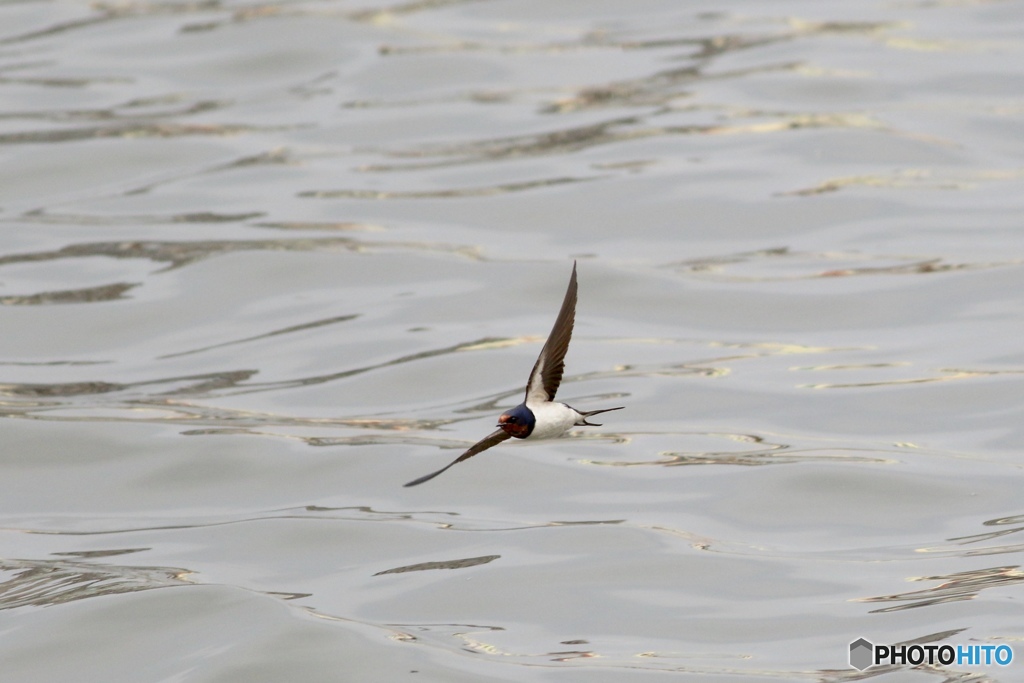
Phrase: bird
(539, 416)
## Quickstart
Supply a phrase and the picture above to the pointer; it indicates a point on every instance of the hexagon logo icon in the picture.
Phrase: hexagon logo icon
(861, 654)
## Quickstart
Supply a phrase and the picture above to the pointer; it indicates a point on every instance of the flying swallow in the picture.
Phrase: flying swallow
(539, 416)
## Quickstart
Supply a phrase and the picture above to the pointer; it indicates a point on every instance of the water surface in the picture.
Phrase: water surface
(264, 263)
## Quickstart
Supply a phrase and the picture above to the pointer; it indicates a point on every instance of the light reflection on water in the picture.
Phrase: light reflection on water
(265, 262)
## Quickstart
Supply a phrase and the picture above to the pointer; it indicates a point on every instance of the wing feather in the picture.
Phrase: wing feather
(546, 375)
(483, 444)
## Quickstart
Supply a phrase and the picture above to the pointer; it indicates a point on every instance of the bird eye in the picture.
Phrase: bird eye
(513, 419)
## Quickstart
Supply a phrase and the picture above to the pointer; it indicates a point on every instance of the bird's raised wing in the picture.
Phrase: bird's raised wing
(547, 371)
(480, 446)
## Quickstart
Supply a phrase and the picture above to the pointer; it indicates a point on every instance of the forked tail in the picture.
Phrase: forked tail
(590, 413)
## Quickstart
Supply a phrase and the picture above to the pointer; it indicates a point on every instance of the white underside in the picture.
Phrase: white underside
(552, 419)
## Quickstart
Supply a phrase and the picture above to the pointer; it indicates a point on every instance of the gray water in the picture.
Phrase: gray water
(261, 264)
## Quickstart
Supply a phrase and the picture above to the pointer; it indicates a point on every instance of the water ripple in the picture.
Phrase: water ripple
(783, 264)
(441, 564)
(954, 587)
(52, 582)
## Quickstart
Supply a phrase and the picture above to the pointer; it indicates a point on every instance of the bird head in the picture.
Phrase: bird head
(518, 421)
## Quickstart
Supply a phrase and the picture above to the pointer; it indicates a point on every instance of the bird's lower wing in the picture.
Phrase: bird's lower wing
(480, 446)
